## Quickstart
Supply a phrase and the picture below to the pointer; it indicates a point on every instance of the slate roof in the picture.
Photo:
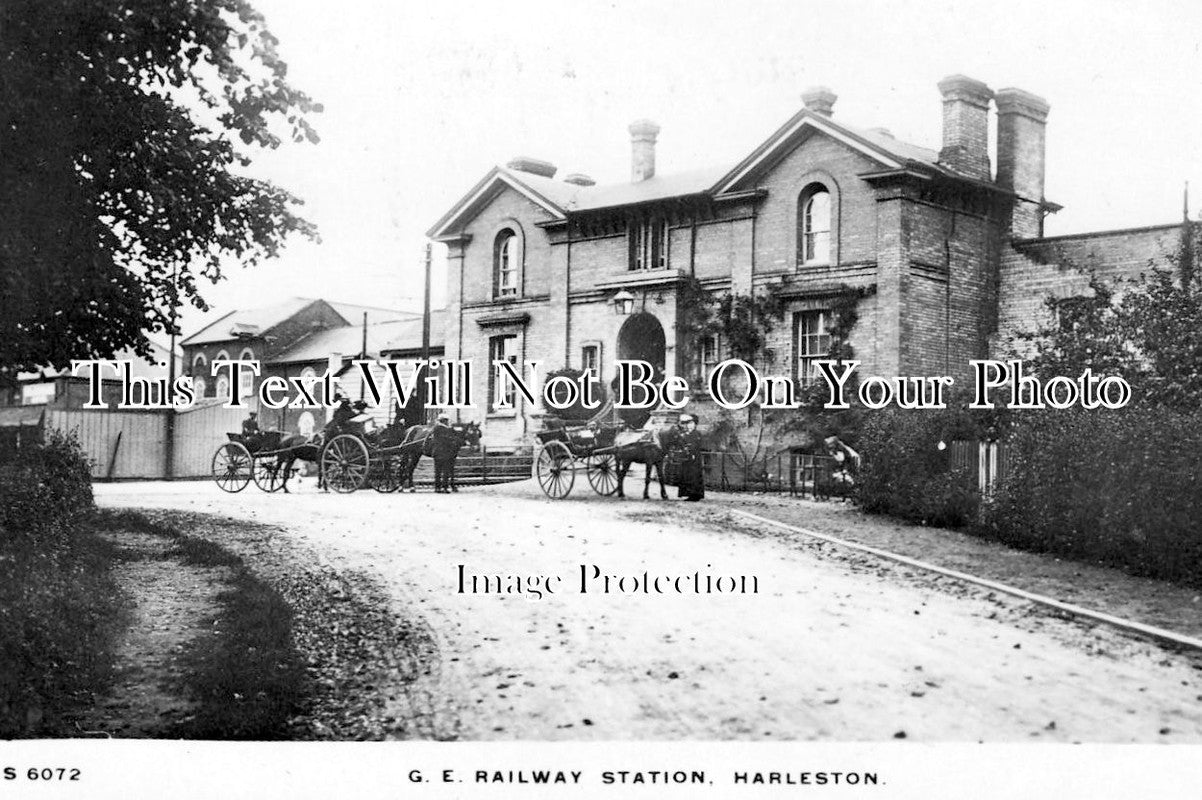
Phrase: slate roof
(257, 321)
(407, 335)
(250, 321)
(403, 334)
(560, 198)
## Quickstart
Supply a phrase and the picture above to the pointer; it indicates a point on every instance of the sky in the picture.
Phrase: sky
(422, 99)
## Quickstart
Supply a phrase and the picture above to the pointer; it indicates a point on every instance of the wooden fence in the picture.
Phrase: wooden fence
(796, 473)
(133, 444)
(985, 460)
(199, 431)
(120, 444)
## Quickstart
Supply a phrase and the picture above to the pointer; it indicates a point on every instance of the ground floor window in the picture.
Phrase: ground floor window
(590, 359)
(812, 342)
(501, 348)
(708, 354)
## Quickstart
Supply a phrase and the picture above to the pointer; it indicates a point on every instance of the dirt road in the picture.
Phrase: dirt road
(833, 646)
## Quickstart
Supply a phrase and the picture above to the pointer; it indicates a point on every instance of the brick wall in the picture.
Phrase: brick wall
(947, 313)
(1034, 269)
(817, 159)
(313, 317)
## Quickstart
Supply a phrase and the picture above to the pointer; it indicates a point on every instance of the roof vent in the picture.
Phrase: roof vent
(888, 134)
(243, 330)
(580, 180)
(535, 166)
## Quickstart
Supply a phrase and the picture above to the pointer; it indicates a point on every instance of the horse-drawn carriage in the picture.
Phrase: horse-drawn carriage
(563, 449)
(348, 456)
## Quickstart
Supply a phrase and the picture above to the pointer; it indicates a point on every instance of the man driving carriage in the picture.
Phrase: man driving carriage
(344, 413)
(252, 437)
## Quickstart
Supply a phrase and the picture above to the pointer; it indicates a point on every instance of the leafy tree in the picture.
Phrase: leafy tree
(125, 130)
(1162, 321)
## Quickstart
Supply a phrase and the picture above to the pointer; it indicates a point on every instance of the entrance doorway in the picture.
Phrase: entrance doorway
(642, 338)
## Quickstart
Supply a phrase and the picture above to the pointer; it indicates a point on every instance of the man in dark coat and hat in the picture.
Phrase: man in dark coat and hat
(251, 435)
(444, 448)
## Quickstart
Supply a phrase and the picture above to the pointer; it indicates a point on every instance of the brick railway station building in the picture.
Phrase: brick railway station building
(945, 255)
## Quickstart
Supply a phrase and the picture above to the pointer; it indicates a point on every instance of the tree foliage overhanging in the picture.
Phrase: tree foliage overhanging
(125, 130)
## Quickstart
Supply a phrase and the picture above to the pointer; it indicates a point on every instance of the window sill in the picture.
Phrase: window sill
(507, 413)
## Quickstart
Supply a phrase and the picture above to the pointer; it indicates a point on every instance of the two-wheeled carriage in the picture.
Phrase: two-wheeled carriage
(243, 459)
(356, 458)
(563, 450)
(346, 461)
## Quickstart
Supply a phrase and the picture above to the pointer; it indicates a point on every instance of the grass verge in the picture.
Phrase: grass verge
(61, 611)
(245, 673)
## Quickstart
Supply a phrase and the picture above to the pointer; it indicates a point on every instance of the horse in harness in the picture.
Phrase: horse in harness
(440, 442)
(648, 446)
(347, 418)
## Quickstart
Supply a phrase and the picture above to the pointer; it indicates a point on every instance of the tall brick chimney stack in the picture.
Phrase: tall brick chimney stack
(642, 149)
(1021, 147)
(820, 100)
(965, 126)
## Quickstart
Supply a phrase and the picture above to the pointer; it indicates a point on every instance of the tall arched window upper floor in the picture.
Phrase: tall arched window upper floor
(508, 254)
(818, 223)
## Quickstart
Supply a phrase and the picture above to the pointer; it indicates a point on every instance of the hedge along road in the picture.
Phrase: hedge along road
(835, 645)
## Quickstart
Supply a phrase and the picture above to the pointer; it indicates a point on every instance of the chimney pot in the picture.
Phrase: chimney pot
(535, 166)
(965, 126)
(643, 133)
(820, 100)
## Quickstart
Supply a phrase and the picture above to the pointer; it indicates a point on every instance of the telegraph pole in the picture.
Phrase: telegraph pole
(426, 309)
(169, 445)
(363, 354)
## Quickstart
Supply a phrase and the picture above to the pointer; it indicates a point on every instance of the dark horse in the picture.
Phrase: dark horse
(648, 449)
(421, 440)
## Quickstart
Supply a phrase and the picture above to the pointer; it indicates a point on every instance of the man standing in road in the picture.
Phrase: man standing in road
(444, 447)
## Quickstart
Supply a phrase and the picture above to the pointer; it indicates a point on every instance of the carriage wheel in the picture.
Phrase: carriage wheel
(555, 470)
(269, 474)
(602, 473)
(345, 462)
(232, 466)
(385, 474)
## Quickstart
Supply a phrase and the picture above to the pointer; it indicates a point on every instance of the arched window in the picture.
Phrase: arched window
(816, 227)
(223, 387)
(306, 423)
(507, 261)
(246, 378)
(308, 377)
(199, 372)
